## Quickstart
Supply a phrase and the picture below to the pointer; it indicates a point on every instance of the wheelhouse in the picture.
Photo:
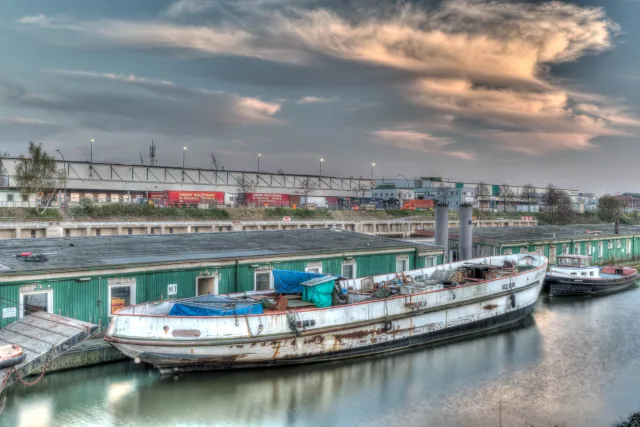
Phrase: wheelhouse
(574, 261)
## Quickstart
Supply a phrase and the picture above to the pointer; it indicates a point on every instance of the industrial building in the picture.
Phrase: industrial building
(88, 278)
(599, 241)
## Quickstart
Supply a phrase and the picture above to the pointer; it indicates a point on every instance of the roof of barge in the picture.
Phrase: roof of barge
(80, 253)
(546, 233)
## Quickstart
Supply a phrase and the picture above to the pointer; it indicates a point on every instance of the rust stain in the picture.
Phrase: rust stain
(490, 306)
(275, 353)
(317, 339)
(352, 335)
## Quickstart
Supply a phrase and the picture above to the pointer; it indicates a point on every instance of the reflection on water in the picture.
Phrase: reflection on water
(575, 363)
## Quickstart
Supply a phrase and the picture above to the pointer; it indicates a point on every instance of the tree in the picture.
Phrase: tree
(38, 174)
(244, 185)
(307, 187)
(609, 207)
(361, 189)
(482, 193)
(529, 195)
(444, 193)
(558, 205)
(507, 195)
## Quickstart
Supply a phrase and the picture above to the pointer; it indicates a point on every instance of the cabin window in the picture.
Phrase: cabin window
(349, 271)
(618, 244)
(588, 249)
(313, 267)
(610, 245)
(629, 247)
(9, 197)
(576, 262)
(33, 302)
(565, 249)
(120, 296)
(507, 252)
(600, 250)
(574, 274)
(429, 261)
(591, 273)
(402, 264)
(583, 274)
(576, 249)
(263, 280)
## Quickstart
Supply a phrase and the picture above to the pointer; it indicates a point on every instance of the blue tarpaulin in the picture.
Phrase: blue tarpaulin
(212, 305)
(290, 282)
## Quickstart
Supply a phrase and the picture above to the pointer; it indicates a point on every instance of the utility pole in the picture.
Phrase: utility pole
(64, 194)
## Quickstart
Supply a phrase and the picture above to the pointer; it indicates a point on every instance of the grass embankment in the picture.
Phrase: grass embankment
(134, 211)
(29, 214)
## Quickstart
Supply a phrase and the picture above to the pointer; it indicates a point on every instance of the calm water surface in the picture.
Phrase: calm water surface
(575, 363)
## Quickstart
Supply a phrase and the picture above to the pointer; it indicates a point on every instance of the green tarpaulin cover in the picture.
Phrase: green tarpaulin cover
(318, 291)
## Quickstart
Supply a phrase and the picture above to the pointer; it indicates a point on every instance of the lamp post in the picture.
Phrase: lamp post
(321, 160)
(408, 186)
(65, 178)
(372, 166)
(184, 152)
(259, 155)
(91, 159)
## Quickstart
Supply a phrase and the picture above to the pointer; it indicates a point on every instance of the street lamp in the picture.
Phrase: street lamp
(259, 155)
(184, 152)
(65, 178)
(372, 166)
(408, 186)
(321, 160)
(91, 159)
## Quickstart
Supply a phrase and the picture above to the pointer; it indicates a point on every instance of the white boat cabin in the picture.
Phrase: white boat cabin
(574, 265)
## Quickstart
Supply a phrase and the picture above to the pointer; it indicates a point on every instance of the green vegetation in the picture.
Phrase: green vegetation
(277, 213)
(87, 210)
(26, 214)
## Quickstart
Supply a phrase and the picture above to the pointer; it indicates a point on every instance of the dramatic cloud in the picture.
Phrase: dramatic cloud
(486, 63)
(314, 100)
(161, 106)
(420, 142)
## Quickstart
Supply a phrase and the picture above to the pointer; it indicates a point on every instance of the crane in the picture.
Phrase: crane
(214, 162)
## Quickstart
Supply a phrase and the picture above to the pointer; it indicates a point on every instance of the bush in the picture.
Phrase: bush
(90, 210)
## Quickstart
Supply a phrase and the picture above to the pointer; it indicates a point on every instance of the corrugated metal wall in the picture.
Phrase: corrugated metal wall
(88, 299)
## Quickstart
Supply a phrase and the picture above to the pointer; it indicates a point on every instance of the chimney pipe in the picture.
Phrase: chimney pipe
(466, 236)
(442, 227)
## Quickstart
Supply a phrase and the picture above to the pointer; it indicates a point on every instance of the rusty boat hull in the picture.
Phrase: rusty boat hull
(178, 344)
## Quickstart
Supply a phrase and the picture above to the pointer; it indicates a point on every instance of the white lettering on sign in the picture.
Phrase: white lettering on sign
(121, 281)
(172, 289)
(9, 312)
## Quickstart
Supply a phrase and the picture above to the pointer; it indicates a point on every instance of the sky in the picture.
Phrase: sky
(496, 91)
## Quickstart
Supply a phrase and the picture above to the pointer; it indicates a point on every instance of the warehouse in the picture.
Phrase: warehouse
(88, 278)
(599, 241)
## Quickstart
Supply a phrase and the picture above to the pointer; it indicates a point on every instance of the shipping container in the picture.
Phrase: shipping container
(419, 204)
(266, 199)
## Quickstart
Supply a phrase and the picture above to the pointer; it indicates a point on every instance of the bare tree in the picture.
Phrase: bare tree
(529, 195)
(558, 205)
(244, 185)
(444, 193)
(306, 187)
(361, 189)
(38, 174)
(507, 195)
(482, 193)
(610, 206)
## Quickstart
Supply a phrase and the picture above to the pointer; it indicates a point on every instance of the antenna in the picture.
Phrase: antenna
(141, 159)
(152, 154)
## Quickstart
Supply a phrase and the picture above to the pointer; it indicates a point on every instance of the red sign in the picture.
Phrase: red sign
(287, 219)
(527, 218)
(269, 199)
(193, 197)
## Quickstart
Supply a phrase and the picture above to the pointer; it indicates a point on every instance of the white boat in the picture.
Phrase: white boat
(430, 305)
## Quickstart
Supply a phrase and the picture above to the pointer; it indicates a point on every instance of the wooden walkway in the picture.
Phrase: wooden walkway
(43, 337)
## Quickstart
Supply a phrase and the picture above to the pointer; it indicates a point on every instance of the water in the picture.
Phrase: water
(575, 363)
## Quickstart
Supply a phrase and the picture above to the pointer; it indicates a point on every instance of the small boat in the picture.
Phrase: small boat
(11, 355)
(311, 317)
(574, 275)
